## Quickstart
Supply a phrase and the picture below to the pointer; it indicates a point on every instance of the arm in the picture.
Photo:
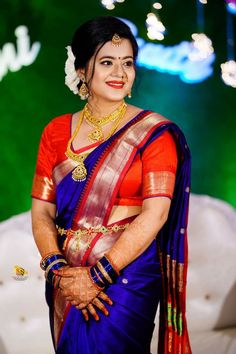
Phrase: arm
(141, 232)
(159, 165)
(44, 230)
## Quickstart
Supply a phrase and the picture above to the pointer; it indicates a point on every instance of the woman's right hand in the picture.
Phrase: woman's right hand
(90, 308)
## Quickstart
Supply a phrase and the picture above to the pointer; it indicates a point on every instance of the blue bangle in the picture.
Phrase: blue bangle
(94, 272)
(48, 260)
(95, 277)
(49, 275)
(108, 268)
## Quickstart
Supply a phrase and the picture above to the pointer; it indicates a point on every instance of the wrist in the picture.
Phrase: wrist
(50, 263)
(49, 258)
(104, 272)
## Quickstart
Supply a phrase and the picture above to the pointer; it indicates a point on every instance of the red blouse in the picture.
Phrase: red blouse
(151, 174)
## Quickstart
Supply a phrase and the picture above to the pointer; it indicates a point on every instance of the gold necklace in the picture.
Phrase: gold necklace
(79, 173)
(97, 123)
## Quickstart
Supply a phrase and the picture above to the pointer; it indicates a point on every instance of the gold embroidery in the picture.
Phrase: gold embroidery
(91, 230)
(43, 188)
(173, 273)
(180, 277)
(168, 266)
(159, 182)
(170, 339)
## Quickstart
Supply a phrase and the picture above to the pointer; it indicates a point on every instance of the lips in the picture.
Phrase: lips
(115, 84)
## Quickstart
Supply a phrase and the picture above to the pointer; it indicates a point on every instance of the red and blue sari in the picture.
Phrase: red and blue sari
(157, 275)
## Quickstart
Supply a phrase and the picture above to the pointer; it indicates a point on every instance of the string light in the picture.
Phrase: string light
(228, 70)
(110, 4)
(202, 47)
(157, 5)
(231, 6)
(155, 27)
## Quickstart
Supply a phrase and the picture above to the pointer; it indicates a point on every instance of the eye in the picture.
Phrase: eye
(128, 63)
(106, 62)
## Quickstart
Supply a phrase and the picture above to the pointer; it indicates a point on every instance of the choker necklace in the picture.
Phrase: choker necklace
(97, 123)
(79, 173)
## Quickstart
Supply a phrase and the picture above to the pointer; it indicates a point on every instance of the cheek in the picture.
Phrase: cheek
(131, 76)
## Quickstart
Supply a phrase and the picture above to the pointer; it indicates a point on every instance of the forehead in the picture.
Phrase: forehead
(124, 49)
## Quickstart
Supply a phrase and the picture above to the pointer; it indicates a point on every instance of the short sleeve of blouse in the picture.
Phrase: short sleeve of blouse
(43, 185)
(159, 161)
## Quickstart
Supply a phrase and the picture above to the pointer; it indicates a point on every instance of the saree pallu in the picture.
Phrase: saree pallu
(158, 273)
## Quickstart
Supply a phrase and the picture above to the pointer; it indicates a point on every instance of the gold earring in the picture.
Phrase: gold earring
(83, 91)
(129, 95)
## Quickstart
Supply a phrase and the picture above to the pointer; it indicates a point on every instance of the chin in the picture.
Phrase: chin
(115, 97)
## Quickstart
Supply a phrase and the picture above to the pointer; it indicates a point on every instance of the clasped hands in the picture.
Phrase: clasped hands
(78, 288)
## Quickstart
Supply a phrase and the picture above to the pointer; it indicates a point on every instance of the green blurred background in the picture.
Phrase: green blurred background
(31, 97)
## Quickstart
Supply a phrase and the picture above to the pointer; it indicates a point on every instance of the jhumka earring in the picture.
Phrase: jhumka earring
(116, 40)
(83, 91)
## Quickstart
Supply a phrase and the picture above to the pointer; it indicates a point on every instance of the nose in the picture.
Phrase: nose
(118, 70)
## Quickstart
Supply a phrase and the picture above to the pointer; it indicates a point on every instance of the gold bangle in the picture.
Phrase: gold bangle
(52, 264)
(106, 275)
(100, 279)
(46, 256)
(94, 284)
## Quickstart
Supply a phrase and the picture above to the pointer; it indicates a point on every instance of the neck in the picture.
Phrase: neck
(100, 108)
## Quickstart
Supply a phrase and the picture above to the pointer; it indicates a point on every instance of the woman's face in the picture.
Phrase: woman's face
(114, 72)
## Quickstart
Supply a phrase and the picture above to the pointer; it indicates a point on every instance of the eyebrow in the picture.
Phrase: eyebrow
(111, 57)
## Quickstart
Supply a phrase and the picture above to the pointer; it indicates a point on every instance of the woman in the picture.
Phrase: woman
(110, 205)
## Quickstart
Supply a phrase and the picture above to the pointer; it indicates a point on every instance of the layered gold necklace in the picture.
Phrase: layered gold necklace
(79, 173)
(98, 123)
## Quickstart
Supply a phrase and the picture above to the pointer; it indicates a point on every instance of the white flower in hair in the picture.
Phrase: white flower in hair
(72, 79)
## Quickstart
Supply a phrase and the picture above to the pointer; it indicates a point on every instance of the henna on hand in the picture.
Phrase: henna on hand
(96, 302)
(77, 286)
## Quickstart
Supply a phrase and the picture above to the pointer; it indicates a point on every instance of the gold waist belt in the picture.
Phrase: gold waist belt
(92, 230)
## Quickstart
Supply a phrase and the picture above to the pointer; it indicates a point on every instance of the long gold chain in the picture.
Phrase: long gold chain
(97, 123)
(79, 173)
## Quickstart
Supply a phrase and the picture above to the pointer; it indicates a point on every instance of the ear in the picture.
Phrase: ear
(81, 73)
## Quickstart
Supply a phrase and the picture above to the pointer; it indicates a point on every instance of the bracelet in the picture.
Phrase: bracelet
(108, 267)
(57, 264)
(98, 276)
(97, 284)
(103, 273)
(112, 263)
(49, 258)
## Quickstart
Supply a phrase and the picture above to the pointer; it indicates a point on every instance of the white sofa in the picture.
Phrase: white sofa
(211, 304)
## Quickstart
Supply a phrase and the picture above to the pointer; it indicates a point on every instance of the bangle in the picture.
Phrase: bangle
(108, 267)
(112, 263)
(95, 280)
(103, 272)
(49, 258)
(108, 279)
(57, 264)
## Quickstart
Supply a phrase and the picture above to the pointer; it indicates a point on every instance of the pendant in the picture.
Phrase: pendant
(79, 173)
(96, 135)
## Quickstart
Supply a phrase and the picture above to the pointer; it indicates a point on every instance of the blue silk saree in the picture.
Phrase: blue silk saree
(158, 275)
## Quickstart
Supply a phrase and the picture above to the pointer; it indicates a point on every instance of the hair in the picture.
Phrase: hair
(91, 36)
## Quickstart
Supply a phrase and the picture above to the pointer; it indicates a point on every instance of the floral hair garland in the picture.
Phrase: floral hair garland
(72, 79)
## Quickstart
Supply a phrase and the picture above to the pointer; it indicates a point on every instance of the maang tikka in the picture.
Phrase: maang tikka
(116, 40)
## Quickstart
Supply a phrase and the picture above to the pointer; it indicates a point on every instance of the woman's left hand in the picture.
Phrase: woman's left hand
(77, 286)
(95, 304)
